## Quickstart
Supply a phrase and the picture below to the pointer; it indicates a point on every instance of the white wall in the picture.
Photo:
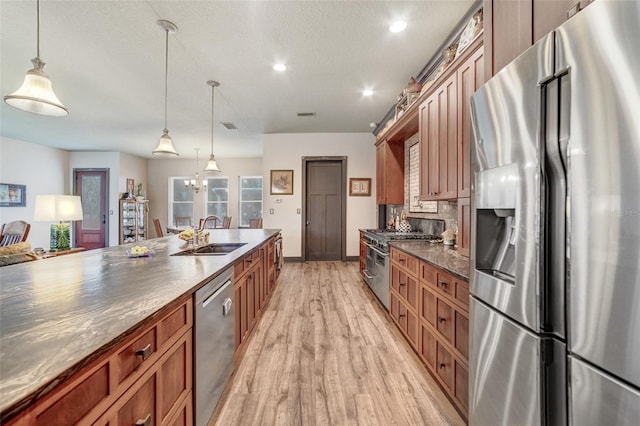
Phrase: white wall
(159, 172)
(135, 168)
(285, 151)
(43, 170)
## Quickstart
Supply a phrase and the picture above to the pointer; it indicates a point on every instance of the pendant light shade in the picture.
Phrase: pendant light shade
(212, 166)
(36, 93)
(165, 145)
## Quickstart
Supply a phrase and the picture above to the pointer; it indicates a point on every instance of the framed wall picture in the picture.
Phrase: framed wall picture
(360, 187)
(12, 195)
(281, 182)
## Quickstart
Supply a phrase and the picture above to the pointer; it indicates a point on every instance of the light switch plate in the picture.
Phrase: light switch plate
(298, 211)
(270, 211)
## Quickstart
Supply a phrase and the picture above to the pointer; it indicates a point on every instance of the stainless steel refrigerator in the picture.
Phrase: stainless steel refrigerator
(555, 283)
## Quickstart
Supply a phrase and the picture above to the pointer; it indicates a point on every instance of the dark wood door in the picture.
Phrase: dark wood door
(91, 185)
(324, 203)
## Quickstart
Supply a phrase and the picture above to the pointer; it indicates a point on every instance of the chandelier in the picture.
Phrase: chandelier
(196, 183)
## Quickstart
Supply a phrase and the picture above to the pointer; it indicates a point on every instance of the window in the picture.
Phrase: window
(250, 199)
(181, 199)
(217, 198)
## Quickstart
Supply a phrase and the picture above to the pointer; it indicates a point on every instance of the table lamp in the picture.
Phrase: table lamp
(60, 208)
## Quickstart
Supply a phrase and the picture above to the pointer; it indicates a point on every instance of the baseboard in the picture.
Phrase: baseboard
(299, 259)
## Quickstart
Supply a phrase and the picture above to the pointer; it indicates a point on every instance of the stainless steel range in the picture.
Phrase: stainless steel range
(377, 262)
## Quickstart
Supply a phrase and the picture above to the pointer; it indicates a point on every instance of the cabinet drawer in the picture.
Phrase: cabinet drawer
(428, 274)
(140, 406)
(409, 263)
(141, 352)
(405, 285)
(445, 320)
(79, 401)
(184, 413)
(454, 288)
(445, 366)
(428, 306)
(238, 268)
(394, 307)
(174, 324)
(174, 377)
(427, 347)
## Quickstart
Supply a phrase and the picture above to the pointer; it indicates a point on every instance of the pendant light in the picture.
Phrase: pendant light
(36, 94)
(165, 146)
(196, 183)
(212, 166)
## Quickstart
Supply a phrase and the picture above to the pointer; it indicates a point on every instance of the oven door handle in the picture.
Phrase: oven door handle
(376, 250)
(369, 277)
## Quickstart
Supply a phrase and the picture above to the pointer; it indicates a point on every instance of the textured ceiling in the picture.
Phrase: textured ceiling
(106, 62)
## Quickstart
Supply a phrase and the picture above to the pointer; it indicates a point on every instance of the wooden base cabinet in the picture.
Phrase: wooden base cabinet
(146, 378)
(431, 308)
(254, 281)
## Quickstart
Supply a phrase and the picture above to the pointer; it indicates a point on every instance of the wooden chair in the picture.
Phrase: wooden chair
(209, 222)
(255, 223)
(14, 232)
(226, 222)
(183, 220)
(159, 232)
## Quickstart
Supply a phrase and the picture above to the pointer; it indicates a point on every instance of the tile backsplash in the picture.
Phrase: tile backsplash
(444, 210)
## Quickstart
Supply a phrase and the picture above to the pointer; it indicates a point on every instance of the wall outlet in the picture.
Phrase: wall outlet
(270, 211)
(298, 211)
(278, 200)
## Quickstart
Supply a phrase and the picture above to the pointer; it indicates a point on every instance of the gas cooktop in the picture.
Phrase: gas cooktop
(385, 235)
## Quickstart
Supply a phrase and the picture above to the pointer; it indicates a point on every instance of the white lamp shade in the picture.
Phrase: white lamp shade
(212, 165)
(165, 146)
(36, 95)
(61, 208)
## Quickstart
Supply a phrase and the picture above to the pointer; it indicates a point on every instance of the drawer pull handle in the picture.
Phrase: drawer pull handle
(145, 352)
(442, 365)
(401, 315)
(144, 422)
(401, 259)
(401, 284)
(441, 319)
(442, 284)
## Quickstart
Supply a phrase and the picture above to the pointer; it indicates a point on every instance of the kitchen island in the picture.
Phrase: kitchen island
(60, 314)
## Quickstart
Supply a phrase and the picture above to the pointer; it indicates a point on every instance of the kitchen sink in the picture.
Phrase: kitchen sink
(213, 249)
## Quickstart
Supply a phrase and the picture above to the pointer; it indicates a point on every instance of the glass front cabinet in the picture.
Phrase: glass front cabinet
(134, 218)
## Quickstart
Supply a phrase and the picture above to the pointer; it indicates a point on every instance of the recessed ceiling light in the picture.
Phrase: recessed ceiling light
(367, 92)
(397, 26)
(279, 67)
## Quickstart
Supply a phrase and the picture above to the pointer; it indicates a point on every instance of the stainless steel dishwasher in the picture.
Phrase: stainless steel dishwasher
(214, 344)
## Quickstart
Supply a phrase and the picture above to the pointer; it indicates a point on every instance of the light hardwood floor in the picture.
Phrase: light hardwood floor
(325, 353)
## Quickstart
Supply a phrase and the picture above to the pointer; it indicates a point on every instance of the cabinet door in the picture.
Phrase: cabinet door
(508, 31)
(428, 128)
(412, 328)
(251, 291)
(462, 334)
(428, 346)
(445, 320)
(470, 77)
(448, 140)
(464, 226)
(141, 407)
(389, 173)
(549, 15)
(461, 392)
(445, 366)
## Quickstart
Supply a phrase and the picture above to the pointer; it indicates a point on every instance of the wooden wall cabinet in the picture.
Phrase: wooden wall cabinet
(431, 308)
(389, 173)
(149, 375)
(437, 117)
(511, 26)
(470, 76)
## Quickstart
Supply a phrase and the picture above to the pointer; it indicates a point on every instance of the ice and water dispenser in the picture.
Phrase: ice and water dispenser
(496, 222)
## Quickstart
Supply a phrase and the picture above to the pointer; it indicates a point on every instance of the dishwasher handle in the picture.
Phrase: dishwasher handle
(216, 294)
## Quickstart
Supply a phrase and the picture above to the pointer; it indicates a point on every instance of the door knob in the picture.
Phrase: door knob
(308, 223)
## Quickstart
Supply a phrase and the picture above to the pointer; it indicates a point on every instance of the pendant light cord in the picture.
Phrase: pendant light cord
(166, 73)
(212, 97)
(38, 30)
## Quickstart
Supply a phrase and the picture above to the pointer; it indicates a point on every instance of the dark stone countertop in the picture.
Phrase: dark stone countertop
(60, 313)
(436, 254)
